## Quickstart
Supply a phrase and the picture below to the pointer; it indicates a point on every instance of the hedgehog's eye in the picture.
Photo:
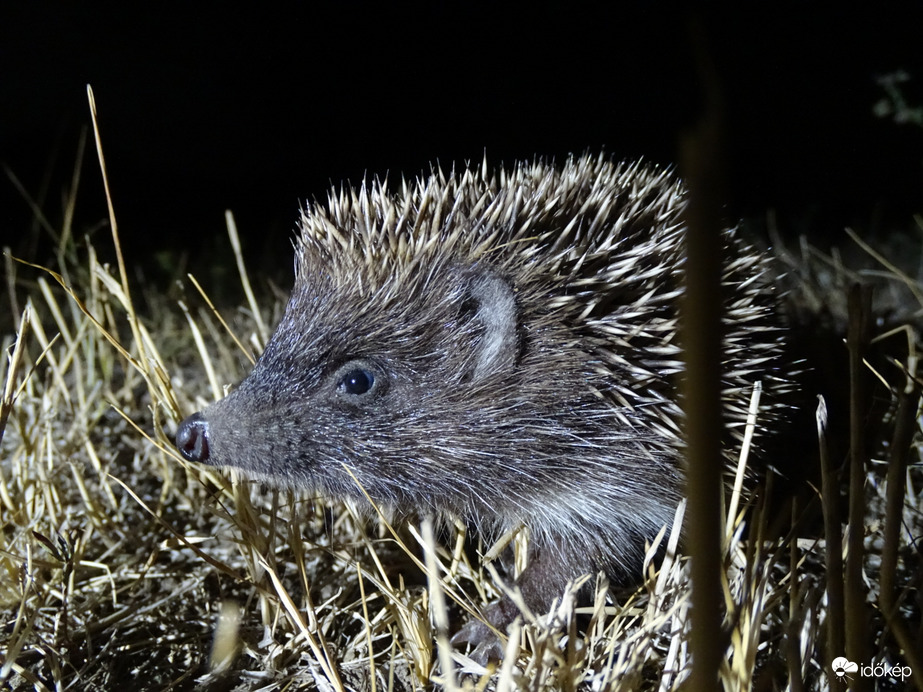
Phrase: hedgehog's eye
(357, 381)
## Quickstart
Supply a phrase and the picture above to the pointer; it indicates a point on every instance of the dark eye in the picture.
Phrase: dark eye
(357, 381)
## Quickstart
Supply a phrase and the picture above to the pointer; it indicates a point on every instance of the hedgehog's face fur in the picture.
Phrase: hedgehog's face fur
(360, 378)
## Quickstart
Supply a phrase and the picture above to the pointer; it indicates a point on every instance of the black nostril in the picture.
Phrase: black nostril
(192, 438)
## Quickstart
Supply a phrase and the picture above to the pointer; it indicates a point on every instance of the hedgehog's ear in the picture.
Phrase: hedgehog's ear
(494, 305)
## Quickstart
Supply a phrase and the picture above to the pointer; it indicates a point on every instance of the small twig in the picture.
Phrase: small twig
(833, 556)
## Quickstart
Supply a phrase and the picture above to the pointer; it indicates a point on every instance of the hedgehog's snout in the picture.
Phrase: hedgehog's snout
(192, 438)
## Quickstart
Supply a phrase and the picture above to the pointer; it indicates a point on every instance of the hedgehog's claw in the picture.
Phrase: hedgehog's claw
(484, 639)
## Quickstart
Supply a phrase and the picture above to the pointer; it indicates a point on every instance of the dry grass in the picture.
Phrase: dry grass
(123, 565)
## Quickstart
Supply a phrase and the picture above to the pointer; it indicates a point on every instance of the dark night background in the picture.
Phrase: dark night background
(208, 106)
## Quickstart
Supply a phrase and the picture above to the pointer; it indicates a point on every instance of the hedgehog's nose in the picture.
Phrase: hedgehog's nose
(192, 438)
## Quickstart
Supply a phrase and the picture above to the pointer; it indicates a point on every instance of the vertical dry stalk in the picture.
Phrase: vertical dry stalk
(701, 335)
(857, 339)
(833, 536)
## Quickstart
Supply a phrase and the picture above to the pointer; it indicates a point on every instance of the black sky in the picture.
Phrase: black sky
(206, 106)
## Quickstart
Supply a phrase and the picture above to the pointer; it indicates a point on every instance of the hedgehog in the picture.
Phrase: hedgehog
(498, 348)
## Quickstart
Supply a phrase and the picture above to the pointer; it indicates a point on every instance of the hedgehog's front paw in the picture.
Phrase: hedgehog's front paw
(483, 637)
(487, 645)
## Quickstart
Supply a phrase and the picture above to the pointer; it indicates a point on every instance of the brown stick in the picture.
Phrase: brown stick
(857, 339)
(833, 535)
